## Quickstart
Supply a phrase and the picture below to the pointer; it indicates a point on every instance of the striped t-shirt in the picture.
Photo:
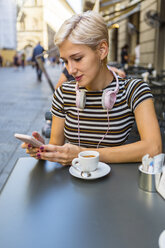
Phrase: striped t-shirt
(93, 121)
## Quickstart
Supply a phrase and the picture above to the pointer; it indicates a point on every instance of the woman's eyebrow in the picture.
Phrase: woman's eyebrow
(75, 54)
(71, 55)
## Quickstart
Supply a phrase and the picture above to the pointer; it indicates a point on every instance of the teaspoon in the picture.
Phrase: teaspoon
(82, 173)
(85, 174)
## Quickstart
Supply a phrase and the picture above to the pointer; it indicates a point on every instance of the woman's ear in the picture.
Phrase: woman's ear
(103, 49)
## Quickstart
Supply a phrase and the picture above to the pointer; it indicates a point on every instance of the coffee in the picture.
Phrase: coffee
(87, 161)
(88, 156)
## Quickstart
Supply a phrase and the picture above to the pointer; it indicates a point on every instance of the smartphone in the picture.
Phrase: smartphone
(28, 139)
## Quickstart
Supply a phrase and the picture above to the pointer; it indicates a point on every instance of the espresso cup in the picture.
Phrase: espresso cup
(86, 161)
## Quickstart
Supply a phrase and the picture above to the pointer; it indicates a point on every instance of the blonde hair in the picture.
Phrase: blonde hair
(87, 28)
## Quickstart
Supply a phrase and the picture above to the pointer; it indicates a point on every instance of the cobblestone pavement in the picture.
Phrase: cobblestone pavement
(23, 103)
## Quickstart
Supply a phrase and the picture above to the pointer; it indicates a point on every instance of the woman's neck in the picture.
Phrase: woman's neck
(104, 78)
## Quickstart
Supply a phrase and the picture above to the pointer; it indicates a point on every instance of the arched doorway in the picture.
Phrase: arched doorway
(28, 49)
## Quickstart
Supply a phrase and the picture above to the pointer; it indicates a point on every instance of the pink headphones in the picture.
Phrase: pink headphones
(108, 101)
(108, 97)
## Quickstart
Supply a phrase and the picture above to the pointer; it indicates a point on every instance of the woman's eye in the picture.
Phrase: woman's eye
(78, 59)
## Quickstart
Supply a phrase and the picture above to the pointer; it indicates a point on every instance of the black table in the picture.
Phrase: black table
(43, 206)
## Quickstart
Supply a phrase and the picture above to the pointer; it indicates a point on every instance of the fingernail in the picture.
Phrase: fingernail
(29, 145)
(38, 155)
(41, 148)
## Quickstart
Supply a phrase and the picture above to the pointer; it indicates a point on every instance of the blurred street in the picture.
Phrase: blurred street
(23, 103)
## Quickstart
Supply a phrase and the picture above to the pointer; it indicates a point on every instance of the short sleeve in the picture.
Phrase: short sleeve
(58, 104)
(137, 92)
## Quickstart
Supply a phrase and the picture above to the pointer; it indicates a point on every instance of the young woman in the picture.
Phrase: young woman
(97, 110)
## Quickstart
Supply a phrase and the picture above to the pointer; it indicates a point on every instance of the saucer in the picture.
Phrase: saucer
(101, 171)
(162, 239)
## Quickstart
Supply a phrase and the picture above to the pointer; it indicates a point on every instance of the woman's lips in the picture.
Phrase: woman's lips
(78, 78)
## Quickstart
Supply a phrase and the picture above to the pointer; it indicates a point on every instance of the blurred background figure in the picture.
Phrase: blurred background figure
(64, 77)
(38, 49)
(1, 61)
(52, 60)
(124, 56)
(16, 61)
(137, 54)
(22, 60)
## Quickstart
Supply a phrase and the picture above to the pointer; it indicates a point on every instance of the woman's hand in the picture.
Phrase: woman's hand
(121, 73)
(32, 151)
(61, 154)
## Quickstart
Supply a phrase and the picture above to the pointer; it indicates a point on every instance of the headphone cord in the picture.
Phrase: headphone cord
(78, 117)
(106, 131)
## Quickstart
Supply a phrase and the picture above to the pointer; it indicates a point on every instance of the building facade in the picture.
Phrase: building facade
(38, 20)
(30, 26)
(7, 30)
(138, 23)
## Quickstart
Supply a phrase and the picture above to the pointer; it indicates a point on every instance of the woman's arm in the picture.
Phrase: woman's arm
(57, 131)
(150, 138)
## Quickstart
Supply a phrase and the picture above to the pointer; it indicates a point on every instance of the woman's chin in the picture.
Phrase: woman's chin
(82, 84)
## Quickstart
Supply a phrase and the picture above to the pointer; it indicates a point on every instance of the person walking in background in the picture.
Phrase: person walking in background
(16, 61)
(23, 60)
(38, 49)
(1, 61)
(124, 56)
(137, 54)
(64, 77)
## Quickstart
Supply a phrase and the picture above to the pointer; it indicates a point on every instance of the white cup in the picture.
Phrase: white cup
(86, 161)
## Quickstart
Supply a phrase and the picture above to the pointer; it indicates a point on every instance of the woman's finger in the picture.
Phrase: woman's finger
(37, 136)
(55, 157)
(24, 145)
(50, 148)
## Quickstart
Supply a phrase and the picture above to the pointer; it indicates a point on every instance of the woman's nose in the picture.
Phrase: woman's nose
(71, 68)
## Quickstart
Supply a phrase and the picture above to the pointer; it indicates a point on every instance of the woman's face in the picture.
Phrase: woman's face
(82, 63)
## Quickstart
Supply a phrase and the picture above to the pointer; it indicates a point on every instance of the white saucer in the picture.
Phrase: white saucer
(162, 240)
(102, 170)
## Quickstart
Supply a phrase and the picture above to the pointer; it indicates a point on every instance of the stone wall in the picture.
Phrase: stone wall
(147, 35)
